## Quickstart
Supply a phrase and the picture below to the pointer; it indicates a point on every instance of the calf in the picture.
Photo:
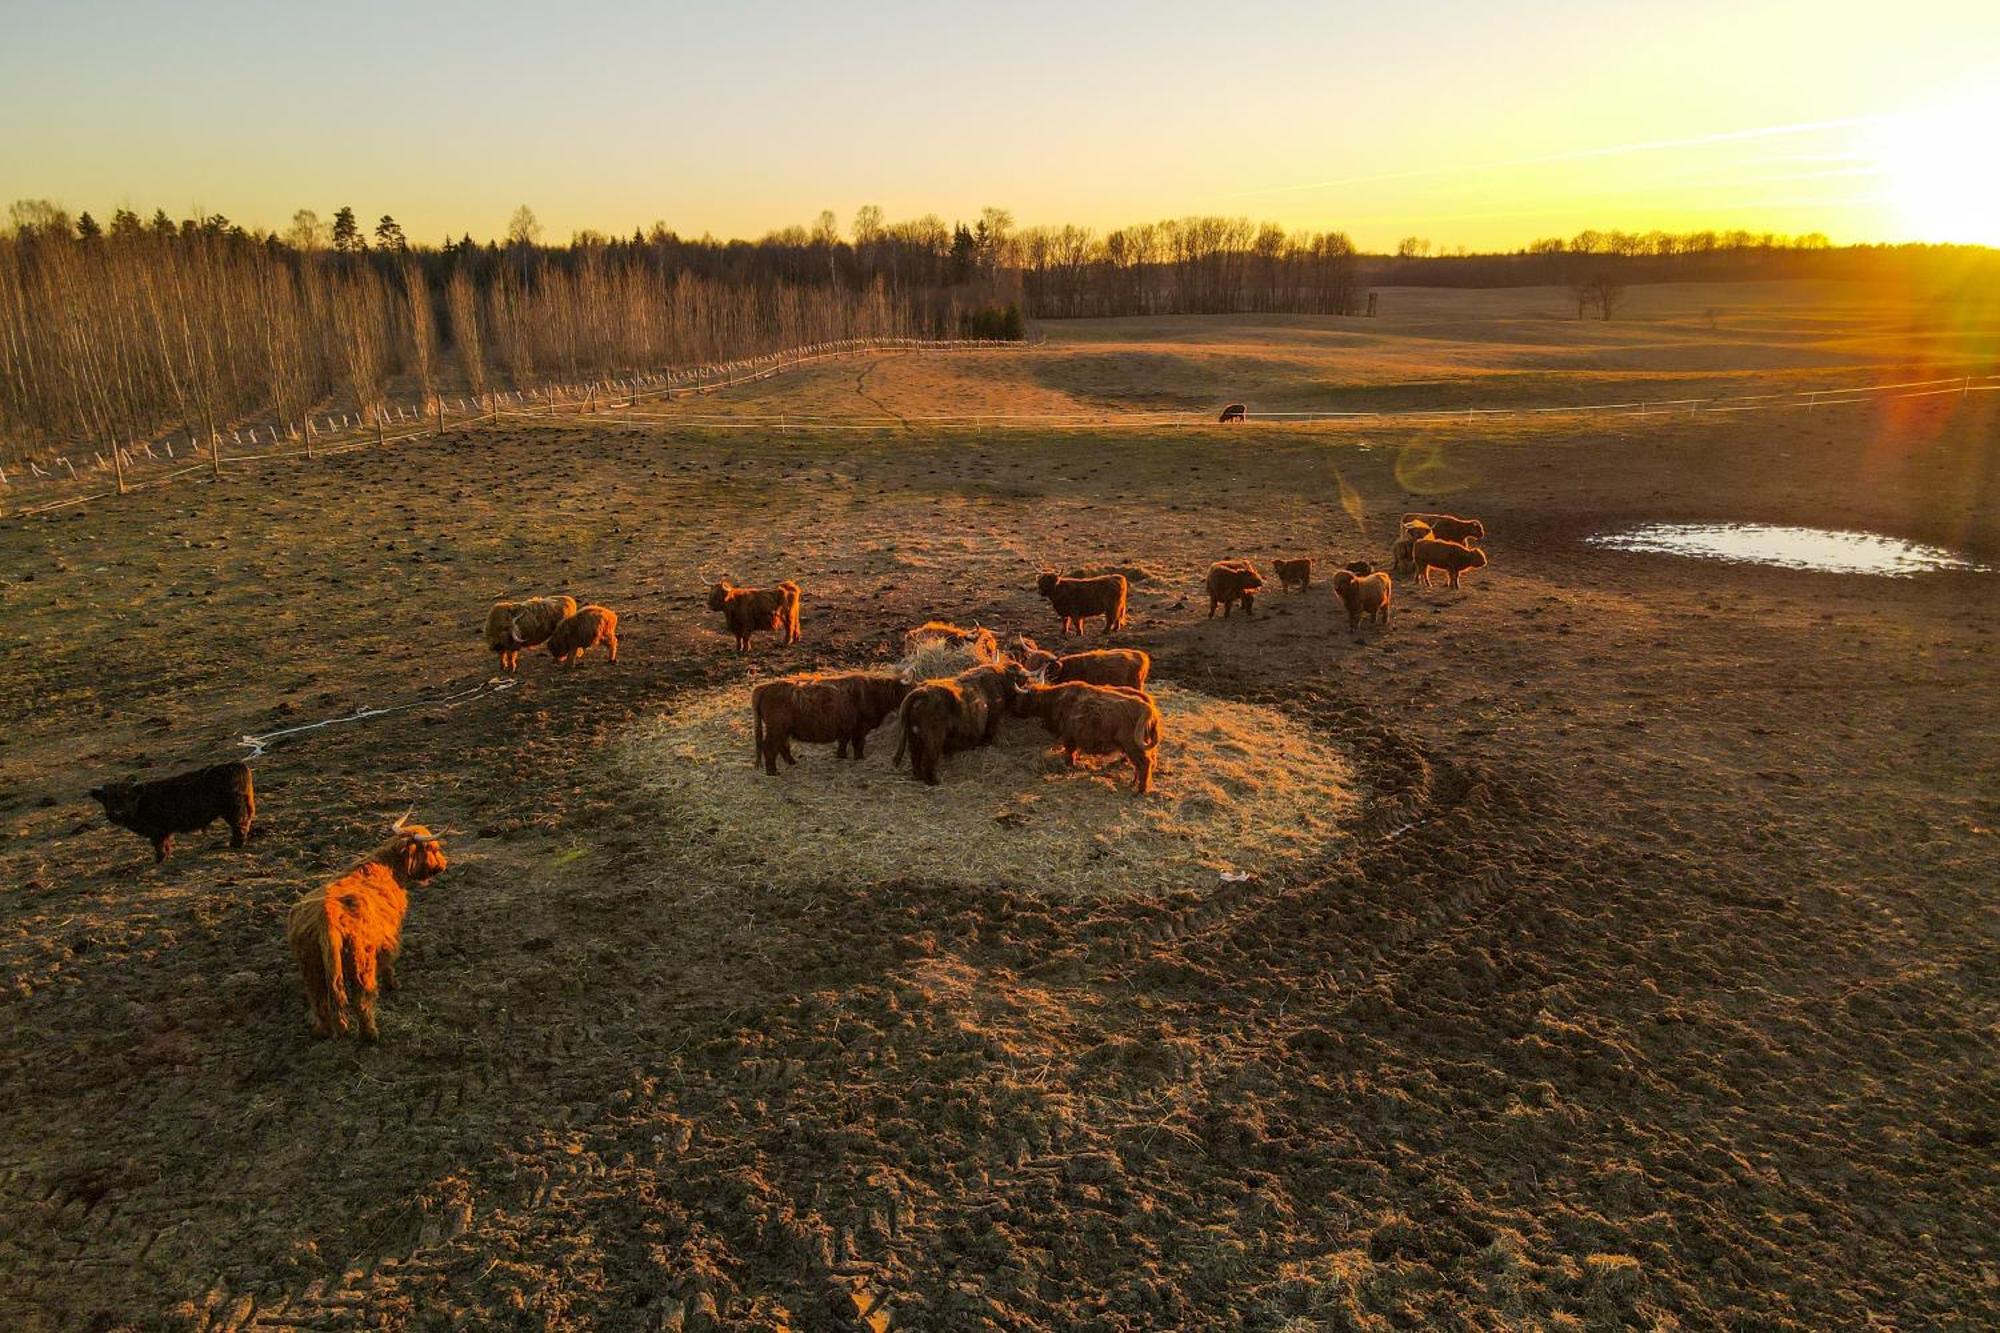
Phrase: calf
(841, 709)
(351, 930)
(1290, 572)
(1363, 595)
(1447, 527)
(1230, 582)
(1076, 600)
(953, 713)
(512, 626)
(1101, 666)
(183, 803)
(749, 610)
(578, 634)
(1097, 719)
(1454, 558)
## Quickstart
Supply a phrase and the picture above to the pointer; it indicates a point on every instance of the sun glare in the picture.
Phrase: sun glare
(1937, 171)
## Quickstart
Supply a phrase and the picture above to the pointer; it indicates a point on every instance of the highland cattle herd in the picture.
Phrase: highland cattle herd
(951, 691)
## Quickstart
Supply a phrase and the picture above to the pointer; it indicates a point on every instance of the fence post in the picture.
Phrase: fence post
(438, 402)
(214, 443)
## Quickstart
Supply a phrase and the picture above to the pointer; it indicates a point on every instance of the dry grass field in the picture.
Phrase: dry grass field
(1647, 978)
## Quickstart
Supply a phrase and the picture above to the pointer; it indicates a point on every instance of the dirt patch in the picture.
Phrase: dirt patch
(1241, 791)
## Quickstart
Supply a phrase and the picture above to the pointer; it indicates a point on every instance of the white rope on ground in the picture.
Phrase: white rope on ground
(257, 744)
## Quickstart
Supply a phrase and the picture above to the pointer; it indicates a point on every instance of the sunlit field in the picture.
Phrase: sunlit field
(1607, 943)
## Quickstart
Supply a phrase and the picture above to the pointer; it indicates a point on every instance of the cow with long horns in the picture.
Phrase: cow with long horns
(349, 932)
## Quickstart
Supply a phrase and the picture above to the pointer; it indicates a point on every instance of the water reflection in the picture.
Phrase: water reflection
(1823, 549)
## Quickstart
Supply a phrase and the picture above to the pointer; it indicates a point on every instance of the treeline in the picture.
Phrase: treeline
(1699, 256)
(1187, 266)
(118, 334)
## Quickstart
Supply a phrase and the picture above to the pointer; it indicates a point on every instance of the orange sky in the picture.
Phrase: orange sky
(1467, 123)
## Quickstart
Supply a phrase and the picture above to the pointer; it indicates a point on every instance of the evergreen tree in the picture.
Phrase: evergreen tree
(347, 233)
(963, 251)
(87, 228)
(389, 235)
(125, 222)
(162, 224)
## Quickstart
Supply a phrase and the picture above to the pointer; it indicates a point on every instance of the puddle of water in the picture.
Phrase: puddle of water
(1824, 549)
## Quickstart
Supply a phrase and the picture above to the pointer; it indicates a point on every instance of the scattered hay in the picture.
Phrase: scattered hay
(1242, 790)
(939, 648)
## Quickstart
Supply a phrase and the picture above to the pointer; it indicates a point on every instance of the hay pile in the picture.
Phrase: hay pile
(938, 648)
(1241, 789)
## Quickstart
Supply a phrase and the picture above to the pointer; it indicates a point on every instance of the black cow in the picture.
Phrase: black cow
(182, 804)
(1233, 412)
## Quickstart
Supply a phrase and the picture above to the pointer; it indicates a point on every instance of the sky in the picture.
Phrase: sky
(1467, 122)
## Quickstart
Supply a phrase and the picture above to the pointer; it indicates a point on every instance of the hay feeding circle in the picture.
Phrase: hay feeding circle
(1242, 790)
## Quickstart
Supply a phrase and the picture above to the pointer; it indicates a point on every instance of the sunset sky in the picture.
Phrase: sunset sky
(1469, 123)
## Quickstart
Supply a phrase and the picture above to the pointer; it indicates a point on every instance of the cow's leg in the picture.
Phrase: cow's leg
(163, 847)
(612, 644)
(386, 968)
(364, 992)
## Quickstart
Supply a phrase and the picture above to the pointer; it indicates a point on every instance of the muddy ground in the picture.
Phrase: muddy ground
(1654, 985)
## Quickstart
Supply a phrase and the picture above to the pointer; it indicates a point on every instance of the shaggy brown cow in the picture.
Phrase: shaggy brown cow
(1234, 412)
(1448, 527)
(1097, 719)
(512, 626)
(837, 709)
(1230, 582)
(1454, 558)
(578, 634)
(955, 713)
(1100, 666)
(1299, 571)
(748, 611)
(1363, 595)
(351, 930)
(1076, 600)
(159, 809)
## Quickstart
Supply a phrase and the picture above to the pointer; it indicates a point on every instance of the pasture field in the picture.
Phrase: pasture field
(1650, 982)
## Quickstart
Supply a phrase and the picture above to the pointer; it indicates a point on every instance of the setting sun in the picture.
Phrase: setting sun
(1937, 171)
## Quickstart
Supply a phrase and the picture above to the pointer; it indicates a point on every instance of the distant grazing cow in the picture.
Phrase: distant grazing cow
(823, 709)
(1097, 719)
(1401, 563)
(1100, 666)
(1363, 595)
(1234, 412)
(1077, 599)
(954, 713)
(159, 809)
(1297, 572)
(749, 610)
(512, 626)
(578, 634)
(1230, 582)
(350, 931)
(1447, 527)
(1454, 558)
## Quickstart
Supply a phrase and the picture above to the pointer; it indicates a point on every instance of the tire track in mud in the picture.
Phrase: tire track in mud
(861, 389)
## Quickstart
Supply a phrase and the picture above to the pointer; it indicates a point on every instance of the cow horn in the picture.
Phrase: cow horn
(514, 633)
(397, 827)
